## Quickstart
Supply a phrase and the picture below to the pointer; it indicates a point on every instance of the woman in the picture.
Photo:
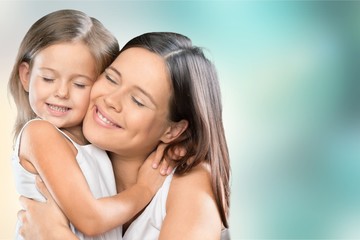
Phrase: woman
(160, 88)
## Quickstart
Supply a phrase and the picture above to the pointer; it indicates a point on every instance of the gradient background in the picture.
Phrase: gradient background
(290, 81)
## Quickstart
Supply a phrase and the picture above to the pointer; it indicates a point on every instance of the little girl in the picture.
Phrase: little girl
(58, 61)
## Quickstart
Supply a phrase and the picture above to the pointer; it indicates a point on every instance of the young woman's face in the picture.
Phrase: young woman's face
(129, 106)
(59, 83)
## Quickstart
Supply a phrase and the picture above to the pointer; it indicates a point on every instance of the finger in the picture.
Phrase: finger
(40, 185)
(169, 163)
(169, 170)
(180, 152)
(177, 152)
(24, 202)
(21, 216)
(164, 168)
(159, 152)
(155, 161)
(22, 231)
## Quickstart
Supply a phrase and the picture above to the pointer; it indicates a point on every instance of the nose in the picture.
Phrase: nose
(62, 91)
(113, 101)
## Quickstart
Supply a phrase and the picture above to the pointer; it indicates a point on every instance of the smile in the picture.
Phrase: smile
(105, 120)
(58, 108)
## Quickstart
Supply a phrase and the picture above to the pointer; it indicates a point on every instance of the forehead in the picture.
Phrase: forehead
(75, 56)
(143, 61)
(145, 69)
(140, 66)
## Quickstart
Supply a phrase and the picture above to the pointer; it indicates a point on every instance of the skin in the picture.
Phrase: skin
(59, 89)
(194, 207)
(129, 108)
(115, 114)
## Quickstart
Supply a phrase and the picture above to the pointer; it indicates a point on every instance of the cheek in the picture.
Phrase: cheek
(88, 127)
(94, 134)
(36, 98)
(32, 88)
(32, 101)
(38, 89)
(34, 94)
(83, 100)
(93, 92)
(97, 90)
(147, 124)
(138, 119)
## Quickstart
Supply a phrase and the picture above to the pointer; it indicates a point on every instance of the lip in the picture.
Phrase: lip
(103, 120)
(57, 110)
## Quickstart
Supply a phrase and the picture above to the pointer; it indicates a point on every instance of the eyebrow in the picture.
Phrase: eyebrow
(115, 70)
(137, 87)
(146, 94)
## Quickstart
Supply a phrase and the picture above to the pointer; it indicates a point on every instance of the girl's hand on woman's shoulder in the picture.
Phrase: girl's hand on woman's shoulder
(157, 160)
(166, 163)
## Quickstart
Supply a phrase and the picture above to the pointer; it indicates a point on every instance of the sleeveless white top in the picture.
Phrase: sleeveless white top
(96, 167)
(148, 224)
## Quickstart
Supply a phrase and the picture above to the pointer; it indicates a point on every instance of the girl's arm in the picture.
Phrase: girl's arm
(191, 203)
(53, 157)
(34, 226)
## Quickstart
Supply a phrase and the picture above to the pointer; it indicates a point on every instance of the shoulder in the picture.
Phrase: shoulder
(40, 134)
(39, 131)
(36, 126)
(195, 185)
(191, 201)
(197, 179)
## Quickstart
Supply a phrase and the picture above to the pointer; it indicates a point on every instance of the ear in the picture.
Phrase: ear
(24, 74)
(174, 131)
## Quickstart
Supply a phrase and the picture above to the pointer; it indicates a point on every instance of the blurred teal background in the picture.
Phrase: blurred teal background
(289, 74)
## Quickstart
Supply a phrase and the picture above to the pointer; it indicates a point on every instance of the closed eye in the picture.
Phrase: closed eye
(80, 85)
(137, 102)
(107, 76)
(46, 79)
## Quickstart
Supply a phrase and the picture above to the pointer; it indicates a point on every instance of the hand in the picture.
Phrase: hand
(148, 175)
(167, 164)
(42, 220)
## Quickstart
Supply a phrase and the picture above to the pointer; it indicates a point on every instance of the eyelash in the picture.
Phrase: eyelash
(109, 78)
(48, 79)
(137, 102)
(79, 85)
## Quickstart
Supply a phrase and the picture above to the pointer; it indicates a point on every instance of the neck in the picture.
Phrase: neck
(125, 170)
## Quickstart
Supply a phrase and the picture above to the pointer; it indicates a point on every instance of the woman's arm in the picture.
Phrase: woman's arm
(53, 157)
(191, 203)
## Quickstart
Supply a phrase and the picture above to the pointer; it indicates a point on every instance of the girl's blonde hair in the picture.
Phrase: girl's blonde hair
(59, 27)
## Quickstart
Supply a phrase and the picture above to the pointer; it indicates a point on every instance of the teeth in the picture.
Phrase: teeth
(58, 108)
(105, 120)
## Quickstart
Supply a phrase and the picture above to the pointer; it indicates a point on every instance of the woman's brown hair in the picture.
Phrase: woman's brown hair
(197, 99)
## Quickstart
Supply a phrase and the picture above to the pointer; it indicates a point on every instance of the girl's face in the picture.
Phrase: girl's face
(128, 112)
(59, 83)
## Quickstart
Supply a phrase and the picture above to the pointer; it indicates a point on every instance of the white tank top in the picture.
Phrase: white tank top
(96, 167)
(148, 224)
